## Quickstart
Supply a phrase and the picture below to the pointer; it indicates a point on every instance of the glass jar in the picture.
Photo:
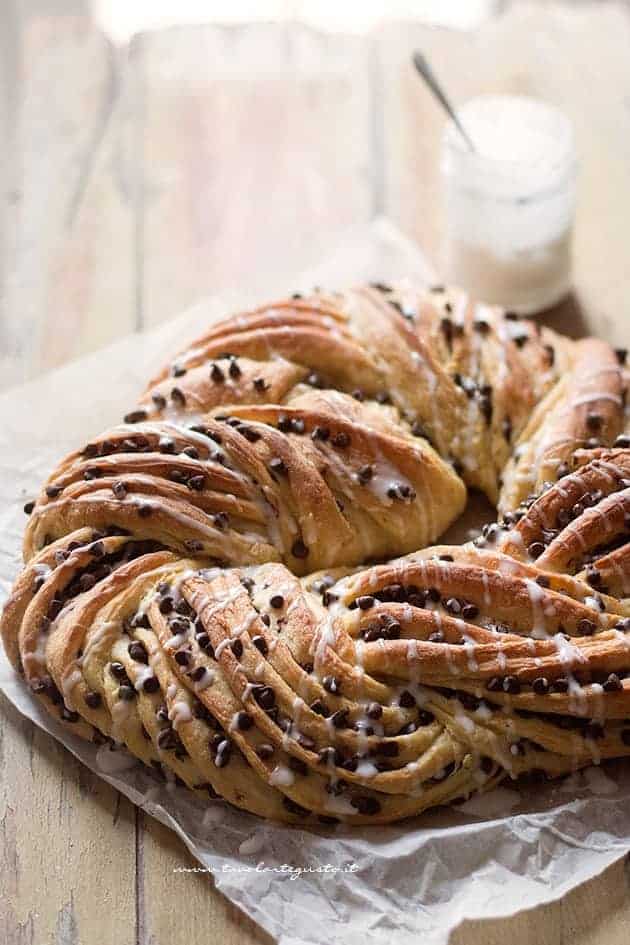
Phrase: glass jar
(509, 205)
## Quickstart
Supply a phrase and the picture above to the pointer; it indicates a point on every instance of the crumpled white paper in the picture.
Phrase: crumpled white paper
(493, 856)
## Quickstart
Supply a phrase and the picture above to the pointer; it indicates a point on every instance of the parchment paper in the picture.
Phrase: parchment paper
(491, 857)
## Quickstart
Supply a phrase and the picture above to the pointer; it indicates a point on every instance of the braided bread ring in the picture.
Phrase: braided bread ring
(193, 586)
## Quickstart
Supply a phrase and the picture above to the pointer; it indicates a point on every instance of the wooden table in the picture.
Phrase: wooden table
(194, 160)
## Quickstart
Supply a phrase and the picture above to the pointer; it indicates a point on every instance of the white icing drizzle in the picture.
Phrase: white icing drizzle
(281, 776)
(178, 713)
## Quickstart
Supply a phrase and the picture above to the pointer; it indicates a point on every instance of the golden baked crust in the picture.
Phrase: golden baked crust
(192, 588)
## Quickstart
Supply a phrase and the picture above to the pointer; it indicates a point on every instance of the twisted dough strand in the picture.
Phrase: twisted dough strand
(190, 587)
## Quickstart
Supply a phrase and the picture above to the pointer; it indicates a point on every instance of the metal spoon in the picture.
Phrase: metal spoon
(428, 75)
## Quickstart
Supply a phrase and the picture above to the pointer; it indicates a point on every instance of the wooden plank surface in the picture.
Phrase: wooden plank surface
(203, 159)
(255, 149)
(66, 845)
(69, 259)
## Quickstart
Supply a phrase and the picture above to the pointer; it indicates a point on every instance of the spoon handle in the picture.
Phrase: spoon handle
(428, 75)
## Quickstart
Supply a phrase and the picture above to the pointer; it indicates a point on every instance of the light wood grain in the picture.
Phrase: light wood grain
(66, 845)
(207, 917)
(573, 55)
(255, 151)
(69, 257)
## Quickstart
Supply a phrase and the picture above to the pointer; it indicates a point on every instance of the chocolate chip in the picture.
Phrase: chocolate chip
(144, 510)
(93, 699)
(446, 326)
(126, 693)
(216, 374)
(178, 397)
(406, 699)
(511, 685)
(425, 717)
(470, 611)
(593, 577)
(535, 549)
(224, 750)
(137, 651)
(341, 440)
(368, 806)
(621, 354)
(118, 671)
(331, 684)
(320, 433)
(330, 756)
(166, 604)
(561, 684)
(196, 483)
(135, 416)
(365, 474)
(365, 602)
(264, 696)
(453, 605)
(586, 627)
(151, 684)
(277, 466)
(119, 489)
(234, 370)
(244, 721)
(54, 608)
(613, 683)
(540, 685)
(183, 657)
(319, 708)
(261, 645)
(481, 326)
(87, 581)
(249, 433)
(28, 507)
(221, 520)
(276, 601)
(285, 424)
(374, 710)
(237, 648)
(388, 749)
(340, 718)
(299, 549)
(168, 739)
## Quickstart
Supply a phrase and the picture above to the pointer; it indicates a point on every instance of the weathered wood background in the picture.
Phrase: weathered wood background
(193, 160)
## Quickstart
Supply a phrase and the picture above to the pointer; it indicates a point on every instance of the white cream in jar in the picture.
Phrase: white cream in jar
(509, 205)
